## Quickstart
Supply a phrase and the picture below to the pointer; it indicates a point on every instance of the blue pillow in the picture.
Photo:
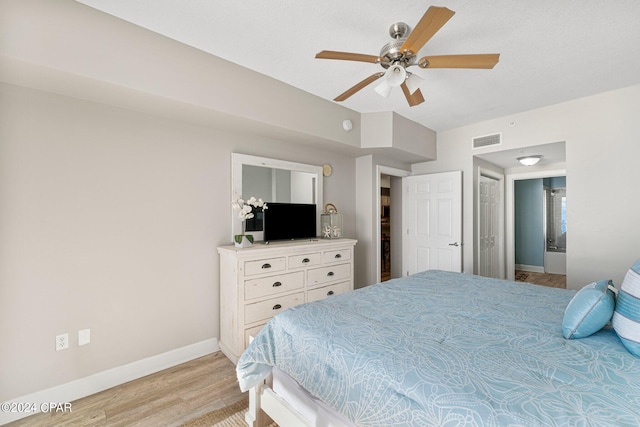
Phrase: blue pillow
(589, 310)
(626, 319)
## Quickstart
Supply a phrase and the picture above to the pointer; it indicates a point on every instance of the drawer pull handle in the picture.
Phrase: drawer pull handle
(277, 307)
(276, 284)
(338, 256)
(265, 266)
(331, 273)
(329, 293)
(306, 260)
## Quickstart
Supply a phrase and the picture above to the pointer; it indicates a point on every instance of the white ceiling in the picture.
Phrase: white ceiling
(551, 51)
(553, 153)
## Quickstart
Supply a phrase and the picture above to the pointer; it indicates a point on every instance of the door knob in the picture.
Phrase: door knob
(454, 244)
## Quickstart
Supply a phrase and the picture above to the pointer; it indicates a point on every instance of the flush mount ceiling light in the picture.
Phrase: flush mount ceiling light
(529, 160)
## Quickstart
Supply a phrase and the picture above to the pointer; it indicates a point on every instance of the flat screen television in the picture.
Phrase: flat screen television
(289, 221)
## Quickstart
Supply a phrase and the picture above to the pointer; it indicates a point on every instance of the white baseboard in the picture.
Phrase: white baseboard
(112, 377)
(531, 268)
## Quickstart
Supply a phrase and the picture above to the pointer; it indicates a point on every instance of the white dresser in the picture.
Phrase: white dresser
(258, 282)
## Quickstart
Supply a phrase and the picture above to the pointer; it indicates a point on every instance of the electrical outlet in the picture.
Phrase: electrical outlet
(62, 341)
(84, 337)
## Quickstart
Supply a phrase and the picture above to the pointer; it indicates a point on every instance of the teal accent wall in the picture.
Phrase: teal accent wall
(528, 222)
(555, 182)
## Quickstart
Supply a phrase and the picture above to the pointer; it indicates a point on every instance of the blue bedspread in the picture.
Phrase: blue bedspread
(448, 349)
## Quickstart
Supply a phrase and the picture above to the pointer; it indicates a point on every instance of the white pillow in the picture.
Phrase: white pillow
(626, 318)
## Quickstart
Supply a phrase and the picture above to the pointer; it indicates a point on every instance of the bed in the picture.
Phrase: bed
(440, 348)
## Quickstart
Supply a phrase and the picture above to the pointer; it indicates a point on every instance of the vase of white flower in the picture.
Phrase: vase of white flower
(244, 210)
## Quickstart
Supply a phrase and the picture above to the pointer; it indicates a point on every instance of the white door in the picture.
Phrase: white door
(432, 214)
(489, 241)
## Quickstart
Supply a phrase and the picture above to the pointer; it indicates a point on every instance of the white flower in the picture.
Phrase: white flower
(245, 208)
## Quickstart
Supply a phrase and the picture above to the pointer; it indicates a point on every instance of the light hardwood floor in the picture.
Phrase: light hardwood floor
(167, 398)
(545, 279)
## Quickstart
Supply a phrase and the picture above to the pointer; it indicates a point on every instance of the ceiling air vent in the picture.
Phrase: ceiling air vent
(487, 140)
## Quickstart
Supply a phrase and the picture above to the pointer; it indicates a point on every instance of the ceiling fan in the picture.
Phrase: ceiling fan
(398, 55)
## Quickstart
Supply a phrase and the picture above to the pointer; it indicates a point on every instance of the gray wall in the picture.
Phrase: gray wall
(110, 220)
(115, 186)
(257, 182)
(602, 152)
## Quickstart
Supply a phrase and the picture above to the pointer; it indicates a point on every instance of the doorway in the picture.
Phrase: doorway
(389, 222)
(385, 227)
(540, 230)
(526, 182)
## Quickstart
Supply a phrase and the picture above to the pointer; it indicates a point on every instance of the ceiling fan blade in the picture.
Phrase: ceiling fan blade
(372, 78)
(413, 99)
(432, 20)
(487, 60)
(347, 56)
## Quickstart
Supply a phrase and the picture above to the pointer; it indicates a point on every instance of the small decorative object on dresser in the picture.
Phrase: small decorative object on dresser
(331, 222)
(259, 282)
(244, 210)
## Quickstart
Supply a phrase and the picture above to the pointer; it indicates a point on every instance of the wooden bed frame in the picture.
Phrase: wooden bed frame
(266, 406)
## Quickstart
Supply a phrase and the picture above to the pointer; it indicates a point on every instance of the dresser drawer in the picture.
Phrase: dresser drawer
(267, 309)
(271, 285)
(264, 266)
(336, 256)
(296, 261)
(326, 291)
(328, 274)
(260, 282)
(252, 332)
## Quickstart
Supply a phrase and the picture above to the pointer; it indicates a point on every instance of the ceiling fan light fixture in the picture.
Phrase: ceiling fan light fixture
(399, 54)
(395, 75)
(413, 83)
(383, 89)
(529, 160)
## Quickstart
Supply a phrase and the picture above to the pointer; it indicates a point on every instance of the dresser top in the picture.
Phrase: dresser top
(310, 244)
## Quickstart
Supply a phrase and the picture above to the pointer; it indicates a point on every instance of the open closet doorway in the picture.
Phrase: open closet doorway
(385, 227)
(389, 225)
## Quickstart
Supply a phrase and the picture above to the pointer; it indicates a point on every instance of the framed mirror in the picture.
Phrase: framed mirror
(273, 180)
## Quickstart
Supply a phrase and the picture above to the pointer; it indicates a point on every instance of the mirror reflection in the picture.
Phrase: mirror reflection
(276, 185)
